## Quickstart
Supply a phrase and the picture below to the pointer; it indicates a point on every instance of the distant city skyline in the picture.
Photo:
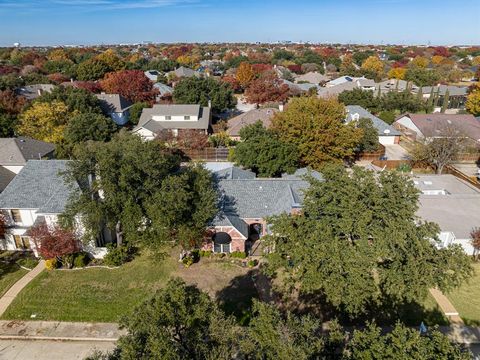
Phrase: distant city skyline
(92, 22)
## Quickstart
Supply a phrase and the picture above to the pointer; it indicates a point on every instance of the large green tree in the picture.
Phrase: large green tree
(200, 91)
(124, 186)
(359, 243)
(77, 100)
(363, 98)
(316, 127)
(261, 151)
(369, 141)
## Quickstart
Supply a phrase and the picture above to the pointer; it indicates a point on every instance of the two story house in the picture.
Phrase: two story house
(172, 118)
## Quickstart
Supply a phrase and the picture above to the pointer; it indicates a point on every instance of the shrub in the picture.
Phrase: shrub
(67, 260)
(51, 264)
(404, 168)
(387, 116)
(81, 260)
(252, 263)
(118, 255)
(187, 261)
(205, 253)
(238, 255)
(28, 262)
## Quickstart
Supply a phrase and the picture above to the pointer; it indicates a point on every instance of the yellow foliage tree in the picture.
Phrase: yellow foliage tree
(245, 74)
(437, 59)
(473, 101)
(397, 73)
(373, 64)
(420, 62)
(45, 121)
(112, 60)
(58, 55)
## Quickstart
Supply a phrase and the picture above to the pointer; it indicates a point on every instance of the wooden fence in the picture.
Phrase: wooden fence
(372, 155)
(207, 154)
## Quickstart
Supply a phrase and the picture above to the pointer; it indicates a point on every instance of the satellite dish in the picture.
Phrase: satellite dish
(386, 131)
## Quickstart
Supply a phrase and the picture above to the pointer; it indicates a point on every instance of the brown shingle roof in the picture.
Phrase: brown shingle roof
(431, 125)
(250, 117)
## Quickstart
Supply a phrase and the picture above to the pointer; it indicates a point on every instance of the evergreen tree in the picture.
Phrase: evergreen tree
(446, 100)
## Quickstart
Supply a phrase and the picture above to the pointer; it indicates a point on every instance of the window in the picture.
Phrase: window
(221, 248)
(16, 216)
(168, 117)
(22, 242)
(186, 117)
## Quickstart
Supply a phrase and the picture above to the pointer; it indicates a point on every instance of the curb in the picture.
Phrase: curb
(56, 338)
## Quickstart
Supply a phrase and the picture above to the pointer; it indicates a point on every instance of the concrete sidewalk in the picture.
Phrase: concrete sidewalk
(56, 330)
(7, 299)
(447, 307)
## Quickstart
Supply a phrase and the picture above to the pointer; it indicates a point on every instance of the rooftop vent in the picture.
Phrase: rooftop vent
(426, 182)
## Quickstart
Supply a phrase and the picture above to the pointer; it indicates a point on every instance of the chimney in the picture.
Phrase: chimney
(281, 107)
(71, 80)
(39, 92)
(210, 103)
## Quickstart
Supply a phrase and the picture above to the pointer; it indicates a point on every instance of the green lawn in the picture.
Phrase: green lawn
(9, 274)
(101, 295)
(466, 299)
(104, 295)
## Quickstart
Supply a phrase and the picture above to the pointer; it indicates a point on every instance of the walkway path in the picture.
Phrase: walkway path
(59, 330)
(10, 295)
(447, 307)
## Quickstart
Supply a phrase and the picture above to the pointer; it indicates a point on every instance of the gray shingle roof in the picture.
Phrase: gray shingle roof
(39, 185)
(234, 173)
(6, 176)
(148, 123)
(378, 123)
(16, 151)
(163, 88)
(31, 92)
(113, 103)
(250, 117)
(184, 72)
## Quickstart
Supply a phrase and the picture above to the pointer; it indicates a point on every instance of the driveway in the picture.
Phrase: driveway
(50, 350)
(396, 152)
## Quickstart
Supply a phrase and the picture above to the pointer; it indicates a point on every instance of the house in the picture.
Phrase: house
(163, 89)
(38, 194)
(152, 75)
(246, 201)
(237, 123)
(387, 135)
(451, 203)
(115, 106)
(300, 88)
(312, 77)
(173, 118)
(6, 176)
(457, 96)
(395, 85)
(31, 92)
(183, 72)
(326, 92)
(433, 125)
(340, 80)
(17, 151)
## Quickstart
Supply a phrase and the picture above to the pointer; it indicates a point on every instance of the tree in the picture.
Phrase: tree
(262, 152)
(402, 343)
(54, 242)
(179, 322)
(267, 88)
(473, 102)
(200, 91)
(397, 73)
(45, 121)
(316, 128)
(133, 85)
(373, 65)
(111, 59)
(89, 126)
(363, 247)
(245, 74)
(363, 98)
(421, 76)
(10, 103)
(475, 234)
(7, 125)
(446, 101)
(272, 336)
(420, 62)
(92, 69)
(77, 100)
(441, 150)
(135, 111)
(192, 139)
(369, 141)
(403, 101)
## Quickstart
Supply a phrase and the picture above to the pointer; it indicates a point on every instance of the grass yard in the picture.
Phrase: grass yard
(466, 299)
(10, 273)
(104, 295)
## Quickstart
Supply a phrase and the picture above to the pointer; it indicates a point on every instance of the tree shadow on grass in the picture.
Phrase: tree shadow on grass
(237, 297)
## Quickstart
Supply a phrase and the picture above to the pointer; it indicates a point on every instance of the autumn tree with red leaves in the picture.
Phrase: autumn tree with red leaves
(192, 139)
(133, 85)
(10, 102)
(267, 88)
(54, 242)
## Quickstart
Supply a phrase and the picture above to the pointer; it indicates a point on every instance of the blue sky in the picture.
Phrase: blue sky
(53, 22)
